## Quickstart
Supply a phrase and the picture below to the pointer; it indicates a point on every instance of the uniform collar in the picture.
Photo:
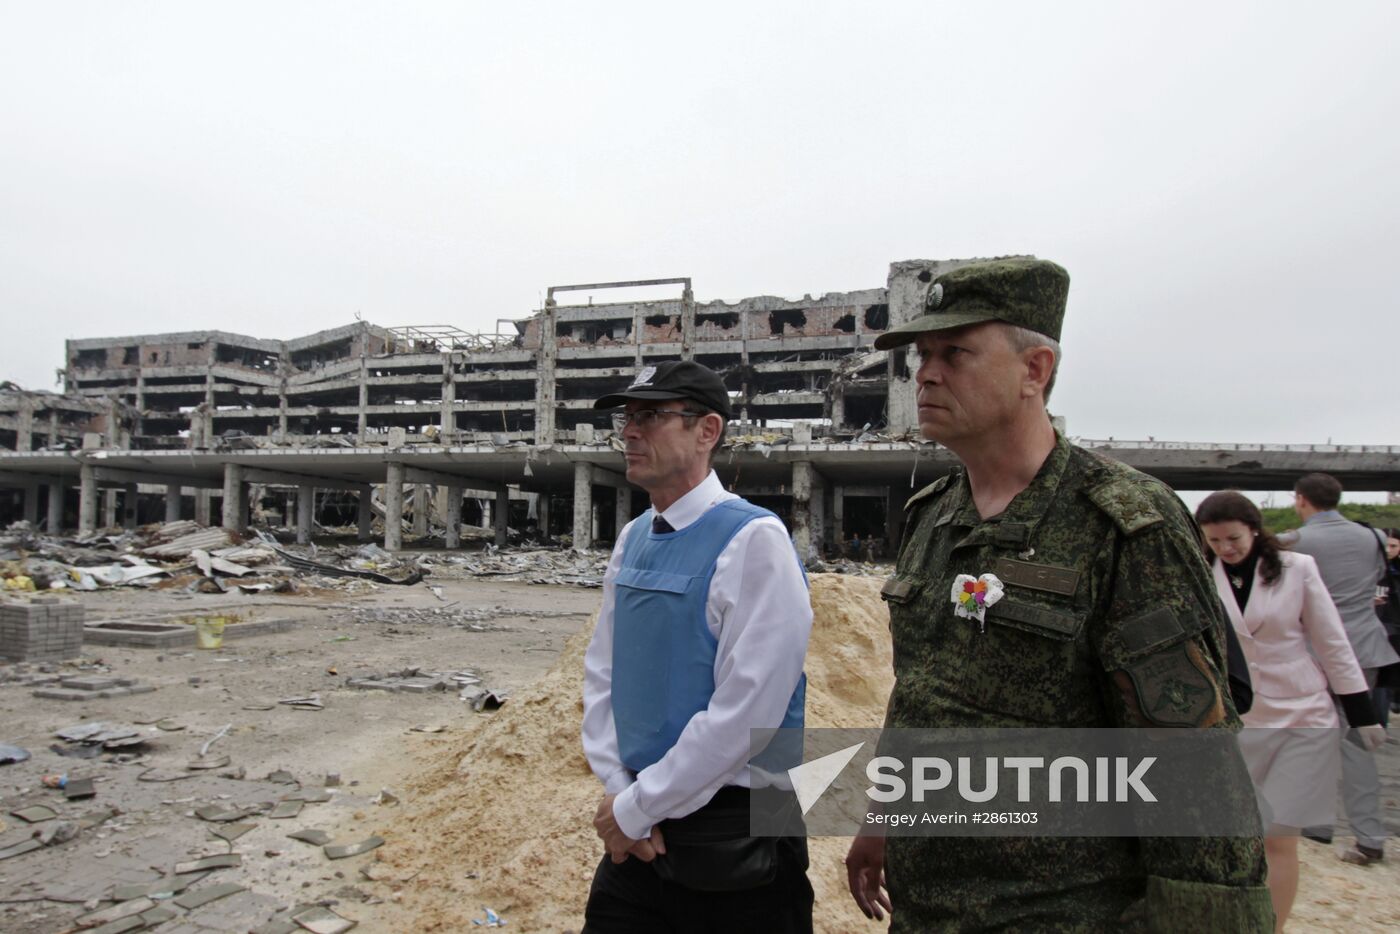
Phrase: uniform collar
(692, 505)
(1015, 527)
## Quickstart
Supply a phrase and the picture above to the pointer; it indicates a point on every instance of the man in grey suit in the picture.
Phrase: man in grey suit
(1350, 563)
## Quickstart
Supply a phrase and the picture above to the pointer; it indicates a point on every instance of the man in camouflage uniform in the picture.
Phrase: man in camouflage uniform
(1109, 619)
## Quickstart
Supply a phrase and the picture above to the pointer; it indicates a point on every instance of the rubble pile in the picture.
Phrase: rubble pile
(535, 566)
(184, 556)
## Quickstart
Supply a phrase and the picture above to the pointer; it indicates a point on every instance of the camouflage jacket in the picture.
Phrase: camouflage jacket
(1109, 618)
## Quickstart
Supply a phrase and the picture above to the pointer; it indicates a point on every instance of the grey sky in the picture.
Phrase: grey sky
(1220, 179)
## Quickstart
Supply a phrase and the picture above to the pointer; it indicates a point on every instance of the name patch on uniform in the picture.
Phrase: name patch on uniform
(1048, 577)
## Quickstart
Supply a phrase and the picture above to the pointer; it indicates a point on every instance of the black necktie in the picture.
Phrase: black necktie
(660, 526)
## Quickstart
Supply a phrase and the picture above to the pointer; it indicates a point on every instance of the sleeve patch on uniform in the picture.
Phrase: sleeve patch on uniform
(1144, 633)
(1126, 505)
(1171, 690)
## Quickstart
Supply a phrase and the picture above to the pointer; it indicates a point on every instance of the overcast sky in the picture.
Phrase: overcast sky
(1220, 179)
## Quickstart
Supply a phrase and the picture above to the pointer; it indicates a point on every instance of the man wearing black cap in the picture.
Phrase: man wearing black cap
(1106, 617)
(700, 638)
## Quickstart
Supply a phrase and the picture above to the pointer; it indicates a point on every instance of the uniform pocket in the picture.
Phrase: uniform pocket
(1030, 664)
(1041, 621)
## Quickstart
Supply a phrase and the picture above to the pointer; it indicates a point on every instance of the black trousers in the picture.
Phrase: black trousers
(631, 898)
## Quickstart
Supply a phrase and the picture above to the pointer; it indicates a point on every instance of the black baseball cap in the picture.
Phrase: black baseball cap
(674, 379)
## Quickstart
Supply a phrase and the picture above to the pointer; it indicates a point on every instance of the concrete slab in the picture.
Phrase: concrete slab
(342, 850)
(171, 635)
(285, 809)
(197, 897)
(221, 861)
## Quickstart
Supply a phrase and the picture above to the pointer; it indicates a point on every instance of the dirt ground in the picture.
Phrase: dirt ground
(492, 811)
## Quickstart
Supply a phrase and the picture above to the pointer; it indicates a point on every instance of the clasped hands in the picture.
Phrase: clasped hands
(618, 844)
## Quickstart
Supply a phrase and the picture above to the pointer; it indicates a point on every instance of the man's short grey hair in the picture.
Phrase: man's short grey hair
(1022, 339)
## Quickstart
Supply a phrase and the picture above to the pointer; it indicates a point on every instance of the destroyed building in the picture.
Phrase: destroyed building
(498, 430)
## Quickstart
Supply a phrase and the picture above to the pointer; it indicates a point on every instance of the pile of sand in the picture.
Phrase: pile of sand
(502, 817)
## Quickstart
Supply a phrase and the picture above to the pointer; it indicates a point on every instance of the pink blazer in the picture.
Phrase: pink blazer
(1278, 626)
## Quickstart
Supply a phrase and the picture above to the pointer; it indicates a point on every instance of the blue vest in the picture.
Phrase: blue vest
(663, 662)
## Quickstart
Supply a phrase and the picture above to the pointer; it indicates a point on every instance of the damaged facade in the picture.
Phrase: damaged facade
(370, 426)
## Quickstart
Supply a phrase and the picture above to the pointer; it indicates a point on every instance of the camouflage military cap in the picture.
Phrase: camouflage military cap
(1030, 293)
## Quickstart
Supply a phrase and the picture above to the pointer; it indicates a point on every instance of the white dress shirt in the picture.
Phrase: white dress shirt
(759, 612)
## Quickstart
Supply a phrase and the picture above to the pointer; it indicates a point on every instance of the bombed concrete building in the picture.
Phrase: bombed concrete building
(420, 429)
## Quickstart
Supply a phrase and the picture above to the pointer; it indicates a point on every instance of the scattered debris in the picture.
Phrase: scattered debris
(385, 797)
(492, 920)
(78, 788)
(217, 762)
(342, 850)
(482, 699)
(319, 920)
(231, 832)
(35, 813)
(192, 900)
(10, 754)
(412, 680)
(221, 861)
(310, 702)
(313, 837)
(204, 750)
(58, 832)
(285, 809)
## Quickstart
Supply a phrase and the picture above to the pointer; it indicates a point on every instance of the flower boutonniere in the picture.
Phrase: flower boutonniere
(972, 595)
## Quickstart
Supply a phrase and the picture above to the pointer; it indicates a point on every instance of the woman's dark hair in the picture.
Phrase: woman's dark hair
(1233, 506)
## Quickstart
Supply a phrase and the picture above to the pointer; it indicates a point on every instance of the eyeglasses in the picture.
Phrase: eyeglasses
(645, 419)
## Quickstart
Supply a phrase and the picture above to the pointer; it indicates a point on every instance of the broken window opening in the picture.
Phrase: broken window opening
(846, 323)
(131, 356)
(660, 321)
(877, 317)
(726, 320)
(91, 358)
(795, 317)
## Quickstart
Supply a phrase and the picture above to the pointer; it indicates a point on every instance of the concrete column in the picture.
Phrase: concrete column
(838, 516)
(54, 525)
(802, 509)
(393, 507)
(306, 512)
(500, 514)
(544, 377)
(542, 514)
(129, 503)
(364, 515)
(234, 518)
(31, 505)
(87, 500)
(172, 502)
(447, 418)
(109, 509)
(583, 506)
(53, 427)
(687, 325)
(453, 517)
(24, 430)
(362, 422)
(624, 511)
(421, 508)
(838, 405)
(203, 507)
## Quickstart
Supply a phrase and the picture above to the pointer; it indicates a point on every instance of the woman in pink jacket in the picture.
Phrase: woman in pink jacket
(1280, 610)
